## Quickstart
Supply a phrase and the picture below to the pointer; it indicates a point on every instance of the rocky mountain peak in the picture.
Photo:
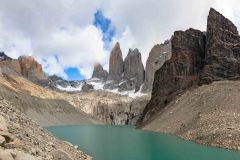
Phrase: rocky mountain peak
(116, 63)
(4, 57)
(222, 49)
(99, 72)
(217, 21)
(133, 67)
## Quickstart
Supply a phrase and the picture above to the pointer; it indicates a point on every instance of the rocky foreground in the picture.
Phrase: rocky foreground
(22, 139)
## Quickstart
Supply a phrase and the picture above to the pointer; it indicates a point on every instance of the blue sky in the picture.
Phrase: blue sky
(78, 33)
(108, 32)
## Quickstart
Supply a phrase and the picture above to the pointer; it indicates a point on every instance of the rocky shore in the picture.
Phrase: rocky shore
(22, 139)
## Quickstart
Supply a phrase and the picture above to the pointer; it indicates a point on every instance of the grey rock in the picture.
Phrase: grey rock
(157, 56)
(99, 72)
(133, 67)
(4, 57)
(116, 63)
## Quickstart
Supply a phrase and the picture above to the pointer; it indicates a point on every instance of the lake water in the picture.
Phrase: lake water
(105, 142)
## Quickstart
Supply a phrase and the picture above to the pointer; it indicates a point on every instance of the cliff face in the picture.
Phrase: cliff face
(133, 67)
(31, 69)
(178, 73)
(25, 66)
(157, 56)
(197, 59)
(110, 108)
(116, 63)
(222, 59)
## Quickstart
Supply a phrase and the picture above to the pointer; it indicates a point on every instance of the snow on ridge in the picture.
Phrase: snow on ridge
(98, 85)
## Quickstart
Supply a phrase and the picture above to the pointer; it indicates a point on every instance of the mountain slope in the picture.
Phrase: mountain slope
(209, 115)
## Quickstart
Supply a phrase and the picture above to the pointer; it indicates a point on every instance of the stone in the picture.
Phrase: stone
(178, 73)
(2, 141)
(87, 87)
(133, 67)
(3, 124)
(116, 63)
(222, 60)
(20, 155)
(157, 56)
(99, 72)
(31, 69)
(7, 154)
(60, 155)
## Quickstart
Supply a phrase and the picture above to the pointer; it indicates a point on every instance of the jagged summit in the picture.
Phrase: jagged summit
(4, 57)
(99, 72)
(115, 63)
(133, 67)
(197, 58)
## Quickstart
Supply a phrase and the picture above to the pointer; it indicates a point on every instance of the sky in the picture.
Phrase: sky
(69, 36)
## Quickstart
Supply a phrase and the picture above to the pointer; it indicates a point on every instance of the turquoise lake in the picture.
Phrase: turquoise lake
(106, 142)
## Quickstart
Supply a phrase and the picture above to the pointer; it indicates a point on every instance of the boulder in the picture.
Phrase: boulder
(99, 72)
(7, 154)
(60, 155)
(157, 56)
(116, 63)
(3, 124)
(133, 67)
(222, 60)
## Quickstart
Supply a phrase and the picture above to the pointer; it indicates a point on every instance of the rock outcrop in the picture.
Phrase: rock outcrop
(116, 63)
(222, 60)
(157, 56)
(31, 69)
(4, 57)
(110, 108)
(99, 72)
(180, 72)
(133, 67)
(197, 58)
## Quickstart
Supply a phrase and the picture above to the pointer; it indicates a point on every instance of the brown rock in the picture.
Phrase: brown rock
(31, 69)
(7, 154)
(116, 63)
(178, 73)
(157, 56)
(222, 59)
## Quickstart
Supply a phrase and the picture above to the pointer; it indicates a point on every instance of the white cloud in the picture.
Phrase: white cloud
(63, 28)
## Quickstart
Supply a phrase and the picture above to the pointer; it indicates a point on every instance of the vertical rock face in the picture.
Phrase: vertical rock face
(116, 63)
(133, 67)
(157, 56)
(222, 59)
(99, 72)
(178, 73)
(31, 69)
